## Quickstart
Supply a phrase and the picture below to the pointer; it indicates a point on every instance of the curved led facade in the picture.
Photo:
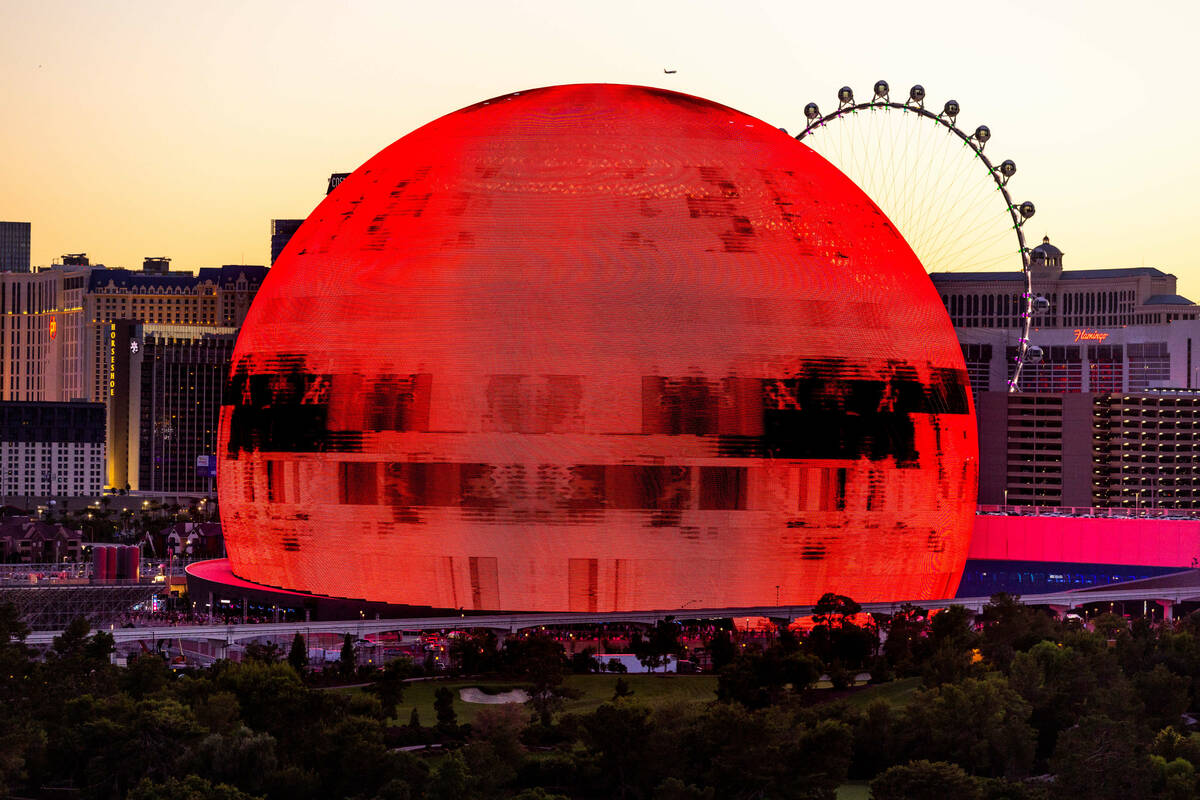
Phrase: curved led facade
(601, 348)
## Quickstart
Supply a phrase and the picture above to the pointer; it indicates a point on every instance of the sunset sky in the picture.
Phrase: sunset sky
(180, 129)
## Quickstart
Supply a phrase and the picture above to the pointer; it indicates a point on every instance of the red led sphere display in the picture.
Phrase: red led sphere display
(597, 348)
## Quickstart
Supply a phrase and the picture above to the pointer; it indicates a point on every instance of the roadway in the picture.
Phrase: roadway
(1164, 595)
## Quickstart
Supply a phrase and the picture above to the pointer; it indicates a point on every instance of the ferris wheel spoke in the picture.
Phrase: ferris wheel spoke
(935, 184)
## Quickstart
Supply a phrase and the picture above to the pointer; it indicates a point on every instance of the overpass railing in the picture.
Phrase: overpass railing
(517, 622)
(1088, 511)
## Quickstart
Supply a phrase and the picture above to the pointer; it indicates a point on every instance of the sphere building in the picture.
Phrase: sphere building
(597, 348)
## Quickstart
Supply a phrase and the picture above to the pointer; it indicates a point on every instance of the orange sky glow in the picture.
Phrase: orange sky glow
(180, 129)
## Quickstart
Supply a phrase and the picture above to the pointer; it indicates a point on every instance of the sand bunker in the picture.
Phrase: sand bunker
(473, 695)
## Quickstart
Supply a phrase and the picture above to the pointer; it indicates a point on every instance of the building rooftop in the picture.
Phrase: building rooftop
(1046, 250)
(1116, 272)
(1168, 300)
(228, 274)
(220, 276)
(124, 279)
(1067, 275)
(1018, 277)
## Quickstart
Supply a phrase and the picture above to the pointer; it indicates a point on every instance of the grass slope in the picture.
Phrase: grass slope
(855, 791)
(649, 690)
(897, 694)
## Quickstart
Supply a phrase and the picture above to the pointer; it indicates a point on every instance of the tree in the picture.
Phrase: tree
(799, 670)
(949, 664)
(662, 642)
(21, 742)
(585, 661)
(268, 652)
(835, 638)
(272, 697)
(1164, 694)
(1101, 759)
(294, 781)
(651, 660)
(21, 737)
(78, 663)
(619, 736)
(1178, 651)
(951, 644)
(821, 757)
(1010, 626)
(1173, 780)
(742, 681)
(414, 719)
(500, 726)
(675, 789)
(146, 674)
(219, 712)
(298, 654)
(99, 648)
(476, 652)
(348, 661)
(389, 684)
(721, 649)
(395, 789)
(924, 780)
(193, 787)
(242, 758)
(907, 630)
(443, 705)
(353, 756)
(1109, 625)
(757, 680)
(876, 739)
(495, 752)
(14, 655)
(450, 779)
(539, 659)
(73, 640)
(955, 626)
(1061, 683)
(118, 741)
(832, 610)
(1170, 744)
(742, 753)
(979, 724)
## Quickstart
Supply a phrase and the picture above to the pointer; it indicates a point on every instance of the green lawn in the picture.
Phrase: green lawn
(897, 694)
(650, 690)
(853, 791)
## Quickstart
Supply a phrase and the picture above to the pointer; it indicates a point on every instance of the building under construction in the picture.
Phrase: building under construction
(50, 596)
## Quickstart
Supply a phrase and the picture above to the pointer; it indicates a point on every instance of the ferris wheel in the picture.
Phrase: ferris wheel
(937, 186)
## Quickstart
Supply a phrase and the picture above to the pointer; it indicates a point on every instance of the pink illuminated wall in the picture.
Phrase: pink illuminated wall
(598, 348)
(1087, 540)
